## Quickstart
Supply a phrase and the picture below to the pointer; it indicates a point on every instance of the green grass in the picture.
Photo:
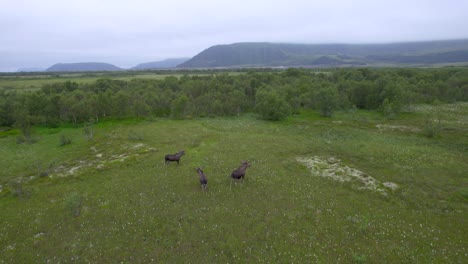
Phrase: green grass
(127, 206)
(28, 83)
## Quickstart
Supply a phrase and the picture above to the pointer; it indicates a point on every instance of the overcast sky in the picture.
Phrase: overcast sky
(39, 33)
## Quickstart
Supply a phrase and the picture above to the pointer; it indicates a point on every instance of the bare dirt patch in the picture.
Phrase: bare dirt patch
(332, 168)
(101, 160)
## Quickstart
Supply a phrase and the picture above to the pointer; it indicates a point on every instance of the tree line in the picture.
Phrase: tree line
(273, 95)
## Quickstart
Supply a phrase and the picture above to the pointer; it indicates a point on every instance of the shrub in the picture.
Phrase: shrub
(43, 170)
(88, 131)
(179, 107)
(390, 109)
(271, 106)
(432, 127)
(74, 203)
(64, 141)
(326, 100)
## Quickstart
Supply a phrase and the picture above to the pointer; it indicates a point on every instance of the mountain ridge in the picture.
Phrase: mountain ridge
(163, 64)
(297, 54)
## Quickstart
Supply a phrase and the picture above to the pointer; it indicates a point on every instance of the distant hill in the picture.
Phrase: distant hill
(164, 64)
(82, 66)
(31, 69)
(282, 54)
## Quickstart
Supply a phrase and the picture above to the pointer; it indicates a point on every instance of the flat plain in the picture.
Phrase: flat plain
(112, 198)
(33, 83)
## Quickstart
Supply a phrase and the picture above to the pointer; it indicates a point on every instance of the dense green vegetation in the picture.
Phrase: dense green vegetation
(363, 166)
(272, 94)
(283, 54)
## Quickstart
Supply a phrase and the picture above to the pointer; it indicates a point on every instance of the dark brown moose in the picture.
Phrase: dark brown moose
(239, 173)
(174, 157)
(203, 179)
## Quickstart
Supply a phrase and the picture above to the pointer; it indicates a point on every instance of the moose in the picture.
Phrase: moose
(203, 179)
(174, 157)
(239, 173)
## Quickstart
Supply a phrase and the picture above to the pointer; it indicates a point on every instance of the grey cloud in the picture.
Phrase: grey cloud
(40, 33)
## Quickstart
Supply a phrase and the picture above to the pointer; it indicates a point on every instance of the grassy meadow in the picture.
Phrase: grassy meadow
(32, 83)
(113, 200)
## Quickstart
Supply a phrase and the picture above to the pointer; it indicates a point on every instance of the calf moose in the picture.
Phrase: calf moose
(203, 179)
(174, 157)
(239, 173)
